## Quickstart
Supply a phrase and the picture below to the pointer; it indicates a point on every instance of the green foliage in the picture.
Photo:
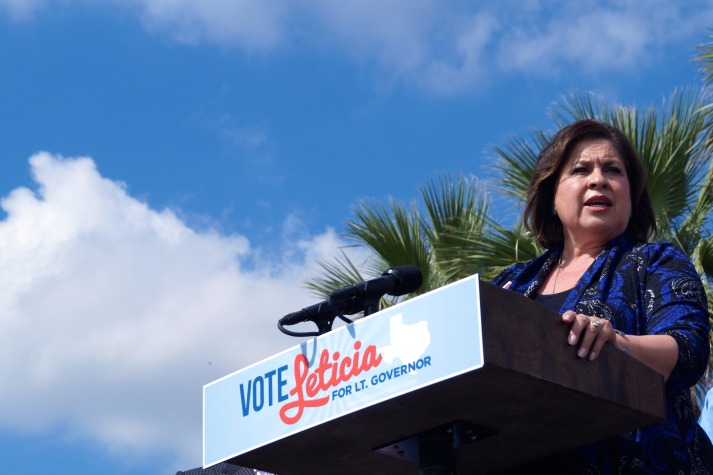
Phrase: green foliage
(454, 212)
(516, 163)
(451, 233)
(673, 144)
(705, 59)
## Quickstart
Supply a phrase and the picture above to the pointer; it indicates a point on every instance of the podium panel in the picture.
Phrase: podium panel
(498, 363)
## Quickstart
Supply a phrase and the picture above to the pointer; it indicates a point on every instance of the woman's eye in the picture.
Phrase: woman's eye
(615, 170)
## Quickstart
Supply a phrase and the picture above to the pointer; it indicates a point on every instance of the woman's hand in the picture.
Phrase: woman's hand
(589, 332)
(659, 352)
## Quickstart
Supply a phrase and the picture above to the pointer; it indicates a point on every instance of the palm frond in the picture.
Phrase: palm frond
(457, 209)
(494, 251)
(705, 58)
(678, 162)
(702, 258)
(454, 203)
(340, 273)
(697, 222)
(395, 234)
(579, 106)
(671, 142)
(516, 163)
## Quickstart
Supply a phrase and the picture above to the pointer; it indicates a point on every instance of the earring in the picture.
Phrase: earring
(554, 210)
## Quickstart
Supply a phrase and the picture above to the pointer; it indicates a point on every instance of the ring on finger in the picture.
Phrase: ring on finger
(596, 324)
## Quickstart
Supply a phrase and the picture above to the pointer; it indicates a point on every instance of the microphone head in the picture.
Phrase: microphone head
(407, 279)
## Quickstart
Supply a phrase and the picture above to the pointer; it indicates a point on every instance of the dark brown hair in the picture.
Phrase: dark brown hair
(539, 217)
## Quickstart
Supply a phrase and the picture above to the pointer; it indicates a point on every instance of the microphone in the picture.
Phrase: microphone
(349, 300)
(320, 312)
(394, 281)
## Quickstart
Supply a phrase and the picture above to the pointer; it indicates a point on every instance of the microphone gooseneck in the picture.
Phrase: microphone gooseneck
(364, 296)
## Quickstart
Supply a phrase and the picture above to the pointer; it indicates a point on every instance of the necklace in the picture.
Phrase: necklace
(557, 274)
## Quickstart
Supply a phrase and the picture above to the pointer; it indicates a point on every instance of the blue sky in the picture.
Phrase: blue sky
(173, 170)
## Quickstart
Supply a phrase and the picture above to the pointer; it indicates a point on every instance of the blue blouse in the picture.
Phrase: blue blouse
(642, 289)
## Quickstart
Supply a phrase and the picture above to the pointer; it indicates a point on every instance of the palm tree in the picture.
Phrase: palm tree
(453, 235)
(456, 236)
(674, 143)
(455, 211)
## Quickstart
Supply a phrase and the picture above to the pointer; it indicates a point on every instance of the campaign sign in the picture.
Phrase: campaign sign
(387, 354)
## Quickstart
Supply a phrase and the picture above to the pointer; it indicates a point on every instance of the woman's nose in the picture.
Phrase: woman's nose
(597, 180)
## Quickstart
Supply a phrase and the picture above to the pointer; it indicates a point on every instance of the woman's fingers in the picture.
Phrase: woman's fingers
(589, 332)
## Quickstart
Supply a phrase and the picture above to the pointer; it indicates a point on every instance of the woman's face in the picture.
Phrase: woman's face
(592, 198)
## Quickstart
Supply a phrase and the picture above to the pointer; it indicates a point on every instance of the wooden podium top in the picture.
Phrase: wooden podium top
(533, 393)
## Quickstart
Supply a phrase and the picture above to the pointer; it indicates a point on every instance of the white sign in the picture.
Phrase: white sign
(382, 356)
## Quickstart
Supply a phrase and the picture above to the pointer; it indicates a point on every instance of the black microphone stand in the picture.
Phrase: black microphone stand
(371, 305)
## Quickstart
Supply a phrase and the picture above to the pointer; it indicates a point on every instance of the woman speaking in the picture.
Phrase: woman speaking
(587, 204)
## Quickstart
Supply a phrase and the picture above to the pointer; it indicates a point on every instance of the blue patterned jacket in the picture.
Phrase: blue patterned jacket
(642, 289)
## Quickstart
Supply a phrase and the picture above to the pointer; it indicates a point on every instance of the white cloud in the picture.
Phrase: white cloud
(392, 34)
(21, 9)
(593, 36)
(114, 315)
(442, 47)
(249, 137)
(469, 66)
(254, 25)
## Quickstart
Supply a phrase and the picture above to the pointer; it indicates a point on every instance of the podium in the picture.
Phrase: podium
(522, 393)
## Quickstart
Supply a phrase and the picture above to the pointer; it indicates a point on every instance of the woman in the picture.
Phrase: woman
(588, 205)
